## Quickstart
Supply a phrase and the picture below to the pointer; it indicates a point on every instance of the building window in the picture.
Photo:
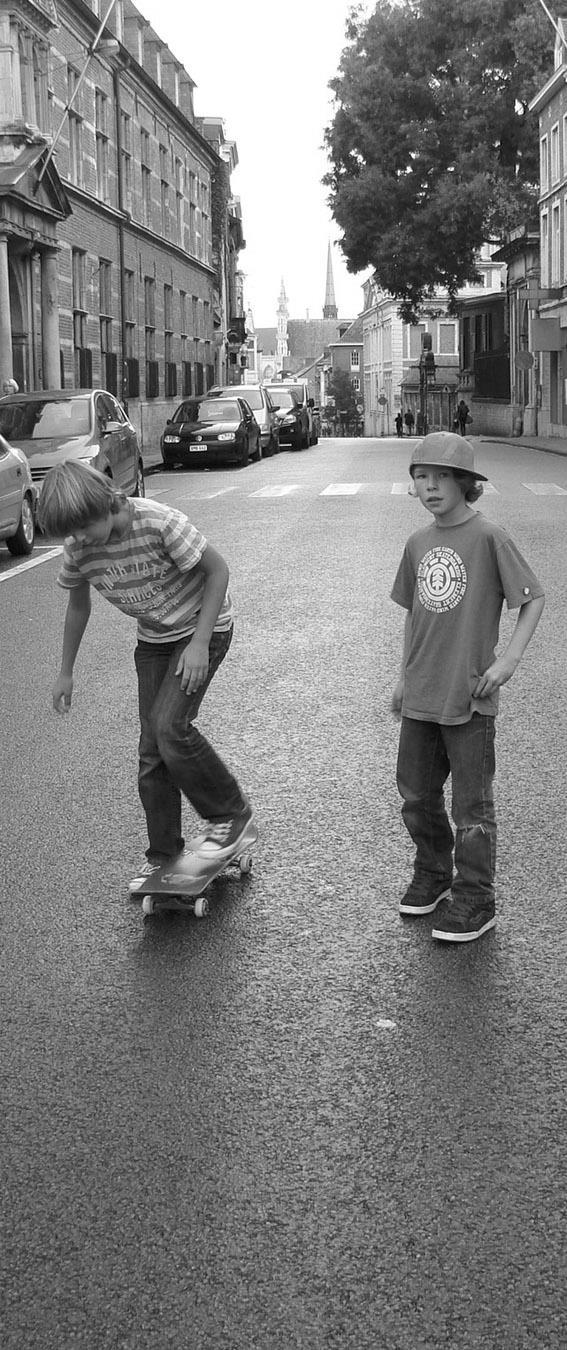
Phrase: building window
(126, 160)
(146, 178)
(108, 363)
(415, 333)
(164, 190)
(447, 339)
(543, 165)
(83, 357)
(101, 133)
(75, 132)
(355, 360)
(129, 314)
(179, 186)
(544, 249)
(554, 153)
(152, 370)
(555, 245)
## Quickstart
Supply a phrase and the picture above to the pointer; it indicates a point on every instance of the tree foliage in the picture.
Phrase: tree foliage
(432, 148)
(342, 391)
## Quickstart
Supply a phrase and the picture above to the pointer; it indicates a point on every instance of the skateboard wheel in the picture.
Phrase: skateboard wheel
(201, 907)
(147, 905)
(245, 862)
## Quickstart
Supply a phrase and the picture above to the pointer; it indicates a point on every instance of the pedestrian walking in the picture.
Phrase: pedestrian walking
(462, 416)
(148, 560)
(409, 421)
(453, 579)
(399, 424)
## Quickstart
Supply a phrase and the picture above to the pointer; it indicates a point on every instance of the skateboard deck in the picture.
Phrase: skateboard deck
(180, 885)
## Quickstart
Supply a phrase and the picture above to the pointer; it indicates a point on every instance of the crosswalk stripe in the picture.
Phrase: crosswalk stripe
(276, 490)
(546, 489)
(341, 490)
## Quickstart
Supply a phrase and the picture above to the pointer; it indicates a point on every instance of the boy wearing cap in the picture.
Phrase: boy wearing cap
(453, 579)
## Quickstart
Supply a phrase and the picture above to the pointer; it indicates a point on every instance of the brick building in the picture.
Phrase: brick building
(119, 236)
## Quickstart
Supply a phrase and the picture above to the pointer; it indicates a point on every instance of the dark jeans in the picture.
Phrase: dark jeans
(174, 757)
(428, 753)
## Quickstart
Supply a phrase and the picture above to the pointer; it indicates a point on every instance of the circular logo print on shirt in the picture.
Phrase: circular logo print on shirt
(441, 579)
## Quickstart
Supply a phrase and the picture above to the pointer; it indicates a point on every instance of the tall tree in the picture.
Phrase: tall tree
(432, 148)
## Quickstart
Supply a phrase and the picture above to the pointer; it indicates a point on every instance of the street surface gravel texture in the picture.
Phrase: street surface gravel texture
(299, 1123)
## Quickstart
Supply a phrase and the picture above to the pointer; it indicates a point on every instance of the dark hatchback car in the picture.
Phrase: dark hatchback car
(211, 430)
(52, 425)
(293, 418)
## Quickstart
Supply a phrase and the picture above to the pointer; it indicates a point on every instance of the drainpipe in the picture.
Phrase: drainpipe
(120, 173)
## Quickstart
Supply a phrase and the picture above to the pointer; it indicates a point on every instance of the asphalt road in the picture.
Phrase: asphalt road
(300, 1122)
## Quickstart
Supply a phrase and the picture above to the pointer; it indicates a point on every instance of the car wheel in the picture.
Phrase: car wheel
(23, 540)
(140, 488)
(273, 446)
(245, 456)
(298, 439)
(306, 442)
(258, 451)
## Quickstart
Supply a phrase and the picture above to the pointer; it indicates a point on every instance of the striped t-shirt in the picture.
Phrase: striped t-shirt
(152, 572)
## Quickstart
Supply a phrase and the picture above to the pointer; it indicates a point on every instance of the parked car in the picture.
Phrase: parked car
(293, 418)
(213, 429)
(259, 400)
(52, 425)
(301, 391)
(18, 500)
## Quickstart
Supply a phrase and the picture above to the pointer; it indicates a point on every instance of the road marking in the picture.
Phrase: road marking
(400, 489)
(489, 487)
(546, 489)
(220, 492)
(33, 562)
(341, 490)
(278, 490)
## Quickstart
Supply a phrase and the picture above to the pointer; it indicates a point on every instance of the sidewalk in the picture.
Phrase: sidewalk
(554, 445)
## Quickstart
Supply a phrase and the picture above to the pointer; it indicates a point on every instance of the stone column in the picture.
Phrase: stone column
(6, 369)
(50, 320)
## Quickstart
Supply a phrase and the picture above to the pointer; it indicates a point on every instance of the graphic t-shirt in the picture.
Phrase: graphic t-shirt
(454, 581)
(152, 572)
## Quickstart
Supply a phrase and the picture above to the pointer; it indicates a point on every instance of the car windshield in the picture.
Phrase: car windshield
(284, 398)
(208, 410)
(37, 420)
(253, 398)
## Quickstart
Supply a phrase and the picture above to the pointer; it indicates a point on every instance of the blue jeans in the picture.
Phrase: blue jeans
(175, 758)
(428, 753)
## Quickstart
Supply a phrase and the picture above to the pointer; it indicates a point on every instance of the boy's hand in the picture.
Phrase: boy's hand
(497, 674)
(397, 696)
(62, 693)
(193, 666)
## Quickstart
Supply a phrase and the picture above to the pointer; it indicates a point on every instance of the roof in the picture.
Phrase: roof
(352, 335)
(267, 339)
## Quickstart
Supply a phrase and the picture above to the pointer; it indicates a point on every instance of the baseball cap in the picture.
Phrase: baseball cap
(444, 449)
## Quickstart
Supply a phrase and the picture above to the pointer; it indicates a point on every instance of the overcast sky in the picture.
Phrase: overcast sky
(265, 70)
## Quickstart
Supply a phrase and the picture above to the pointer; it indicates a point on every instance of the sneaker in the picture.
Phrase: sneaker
(465, 919)
(424, 893)
(222, 837)
(146, 871)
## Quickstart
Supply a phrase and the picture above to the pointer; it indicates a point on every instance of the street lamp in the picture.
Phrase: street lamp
(426, 377)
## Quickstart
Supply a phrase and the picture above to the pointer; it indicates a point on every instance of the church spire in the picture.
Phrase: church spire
(330, 310)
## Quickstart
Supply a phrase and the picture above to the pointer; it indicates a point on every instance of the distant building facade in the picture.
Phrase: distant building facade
(118, 232)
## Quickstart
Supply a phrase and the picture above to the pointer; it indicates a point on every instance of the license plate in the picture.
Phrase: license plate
(197, 449)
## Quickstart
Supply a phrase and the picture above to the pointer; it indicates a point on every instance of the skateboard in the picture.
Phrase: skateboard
(180, 885)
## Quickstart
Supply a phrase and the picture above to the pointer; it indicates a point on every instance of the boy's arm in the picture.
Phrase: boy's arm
(193, 666)
(398, 691)
(76, 620)
(504, 666)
